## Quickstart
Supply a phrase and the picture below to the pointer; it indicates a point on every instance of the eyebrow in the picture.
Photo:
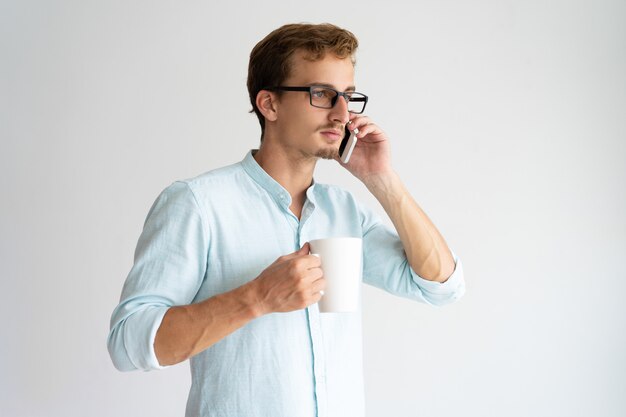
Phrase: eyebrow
(350, 88)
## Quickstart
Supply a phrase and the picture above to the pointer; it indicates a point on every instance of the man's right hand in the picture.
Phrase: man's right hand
(292, 282)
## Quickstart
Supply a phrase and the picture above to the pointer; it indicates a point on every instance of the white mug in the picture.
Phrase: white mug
(341, 265)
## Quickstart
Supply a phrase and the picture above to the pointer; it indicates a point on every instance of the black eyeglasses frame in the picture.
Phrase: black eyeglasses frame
(362, 98)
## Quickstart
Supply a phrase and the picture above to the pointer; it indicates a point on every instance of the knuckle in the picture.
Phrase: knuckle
(302, 286)
(302, 298)
(292, 269)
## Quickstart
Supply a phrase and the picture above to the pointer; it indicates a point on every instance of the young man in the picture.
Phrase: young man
(222, 271)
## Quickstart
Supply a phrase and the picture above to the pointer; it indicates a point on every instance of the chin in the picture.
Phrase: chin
(327, 153)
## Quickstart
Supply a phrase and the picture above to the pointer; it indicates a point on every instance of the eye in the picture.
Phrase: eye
(319, 93)
(323, 93)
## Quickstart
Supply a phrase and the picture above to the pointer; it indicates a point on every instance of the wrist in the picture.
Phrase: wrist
(387, 188)
(249, 296)
(381, 180)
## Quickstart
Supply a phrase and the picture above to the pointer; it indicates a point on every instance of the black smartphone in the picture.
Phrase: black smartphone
(347, 145)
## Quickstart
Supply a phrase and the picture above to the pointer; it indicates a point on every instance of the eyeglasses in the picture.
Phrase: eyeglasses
(326, 97)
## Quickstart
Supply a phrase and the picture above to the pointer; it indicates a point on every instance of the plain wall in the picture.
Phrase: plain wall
(507, 122)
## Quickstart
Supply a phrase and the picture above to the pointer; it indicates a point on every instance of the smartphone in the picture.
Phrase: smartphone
(347, 145)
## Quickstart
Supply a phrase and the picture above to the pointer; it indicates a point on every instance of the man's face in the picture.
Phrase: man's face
(307, 131)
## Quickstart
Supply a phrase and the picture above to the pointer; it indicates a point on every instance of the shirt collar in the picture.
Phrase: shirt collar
(277, 191)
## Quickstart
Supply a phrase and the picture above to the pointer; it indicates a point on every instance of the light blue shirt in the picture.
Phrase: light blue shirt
(218, 231)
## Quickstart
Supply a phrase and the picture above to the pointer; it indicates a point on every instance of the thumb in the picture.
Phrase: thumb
(304, 250)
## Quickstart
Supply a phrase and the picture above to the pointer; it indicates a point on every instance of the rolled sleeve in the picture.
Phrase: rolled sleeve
(169, 267)
(131, 341)
(442, 293)
(386, 266)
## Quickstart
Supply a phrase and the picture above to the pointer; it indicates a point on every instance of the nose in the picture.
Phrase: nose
(339, 112)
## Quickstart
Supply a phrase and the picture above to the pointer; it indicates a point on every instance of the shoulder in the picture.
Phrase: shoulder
(322, 189)
(221, 180)
(336, 199)
(193, 190)
(215, 177)
(333, 195)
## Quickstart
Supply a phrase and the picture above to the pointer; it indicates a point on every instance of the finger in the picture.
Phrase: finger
(367, 129)
(316, 297)
(304, 250)
(315, 274)
(359, 122)
(314, 259)
(372, 132)
(318, 285)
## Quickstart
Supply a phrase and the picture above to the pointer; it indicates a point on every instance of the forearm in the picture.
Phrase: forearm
(190, 329)
(292, 282)
(426, 250)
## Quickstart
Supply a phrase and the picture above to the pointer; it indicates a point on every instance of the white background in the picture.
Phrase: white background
(508, 125)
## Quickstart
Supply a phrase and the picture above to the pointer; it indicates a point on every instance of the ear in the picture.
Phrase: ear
(266, 102)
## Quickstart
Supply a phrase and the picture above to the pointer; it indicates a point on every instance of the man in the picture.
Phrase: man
(223, 275)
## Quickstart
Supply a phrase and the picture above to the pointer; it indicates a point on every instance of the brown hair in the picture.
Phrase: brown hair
(270, 60)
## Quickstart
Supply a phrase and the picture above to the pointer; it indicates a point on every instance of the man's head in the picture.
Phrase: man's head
(272, 60)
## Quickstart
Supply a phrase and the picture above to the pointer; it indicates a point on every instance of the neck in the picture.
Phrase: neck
(292, 170)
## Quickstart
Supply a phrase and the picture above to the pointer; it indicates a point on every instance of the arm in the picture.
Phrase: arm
(292, 282)
(156, 324)
(426, 250)
(189, 329)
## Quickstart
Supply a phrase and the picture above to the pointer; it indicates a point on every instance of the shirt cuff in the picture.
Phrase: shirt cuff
(145, 325)
(442, 293)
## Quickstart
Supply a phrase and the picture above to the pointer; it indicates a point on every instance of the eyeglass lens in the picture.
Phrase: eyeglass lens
(326, 98)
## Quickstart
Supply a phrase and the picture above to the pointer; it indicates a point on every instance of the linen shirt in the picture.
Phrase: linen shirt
(213, 233)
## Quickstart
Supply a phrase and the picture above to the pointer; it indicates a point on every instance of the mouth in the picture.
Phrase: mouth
(332, 134)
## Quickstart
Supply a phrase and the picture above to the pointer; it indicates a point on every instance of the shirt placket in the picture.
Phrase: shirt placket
(315, 329)
(319, 361)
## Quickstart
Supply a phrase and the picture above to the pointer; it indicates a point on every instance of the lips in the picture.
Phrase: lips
(332, 134)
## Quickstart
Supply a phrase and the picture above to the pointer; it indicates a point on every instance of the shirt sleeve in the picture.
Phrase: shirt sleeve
(386, 266)
(169, 266)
